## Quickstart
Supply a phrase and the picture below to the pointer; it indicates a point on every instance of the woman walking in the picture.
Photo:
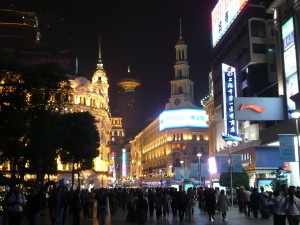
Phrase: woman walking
(278, 208)
(223, 203)
(210, 203)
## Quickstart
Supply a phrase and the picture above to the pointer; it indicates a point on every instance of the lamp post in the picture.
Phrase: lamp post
(229, 143)
(181, 162)
(160, 174)
(199, 156)
(296, 115)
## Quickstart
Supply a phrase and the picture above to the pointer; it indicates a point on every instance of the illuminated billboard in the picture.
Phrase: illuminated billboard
(222, 16)
(229, 93)
(183, 118)
(290, 62)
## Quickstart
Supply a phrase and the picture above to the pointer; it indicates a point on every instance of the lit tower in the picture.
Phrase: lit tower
(128, 105)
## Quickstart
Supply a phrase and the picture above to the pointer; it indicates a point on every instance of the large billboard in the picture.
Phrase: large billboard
(222, 16)
(183, 118)
(229, 93)
(258, 108)
(290, 62)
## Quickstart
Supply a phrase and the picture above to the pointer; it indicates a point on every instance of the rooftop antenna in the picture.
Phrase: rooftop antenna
(76, 66)
(180, 29)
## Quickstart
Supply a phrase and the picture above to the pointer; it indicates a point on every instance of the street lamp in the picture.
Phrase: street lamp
(229, 143)
(296, 115)
(199, 156)
(160, 173)
(181, 162)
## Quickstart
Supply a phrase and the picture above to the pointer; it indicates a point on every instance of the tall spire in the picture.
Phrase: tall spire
(99, 64)
(128, 69)
(180, 30)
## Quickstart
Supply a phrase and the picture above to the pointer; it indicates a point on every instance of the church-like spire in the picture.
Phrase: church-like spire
(128, 69)
(99, 64)
(180, 30)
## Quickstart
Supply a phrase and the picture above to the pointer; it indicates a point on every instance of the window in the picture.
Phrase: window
(259, 48)
(194, 138)
(258, 28)
(195, 151)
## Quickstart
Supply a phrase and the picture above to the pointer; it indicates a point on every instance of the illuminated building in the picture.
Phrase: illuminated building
(116, 144)
(92, 96)
(245, 38)
(177, 135)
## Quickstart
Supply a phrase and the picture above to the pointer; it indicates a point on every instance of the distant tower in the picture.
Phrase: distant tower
(182, 88)
(128, 105)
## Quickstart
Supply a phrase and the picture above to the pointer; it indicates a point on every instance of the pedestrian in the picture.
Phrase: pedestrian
(200, 198)
(255, 202)
(60, 201)
(34, 205)
(150, 197)
(158, 204)
(246, 198)
(292, 206)
(102, 207)
(181, 203)
(278, 201)
(166, 203)
(141, 209)
(16, 202)
(190, 202)
(210, 202)
(223, 204)
(76, 205)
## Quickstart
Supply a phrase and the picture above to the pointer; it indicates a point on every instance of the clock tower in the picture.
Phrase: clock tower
(182, 88)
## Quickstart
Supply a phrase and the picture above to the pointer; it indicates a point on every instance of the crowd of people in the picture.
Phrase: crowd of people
(141, 204)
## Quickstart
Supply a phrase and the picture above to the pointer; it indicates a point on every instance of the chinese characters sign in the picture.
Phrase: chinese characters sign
(229, 92)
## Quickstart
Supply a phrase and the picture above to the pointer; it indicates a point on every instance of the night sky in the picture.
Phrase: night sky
(141, 34)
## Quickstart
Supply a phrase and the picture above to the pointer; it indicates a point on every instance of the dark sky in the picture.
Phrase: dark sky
(143, 34)
(138, 33)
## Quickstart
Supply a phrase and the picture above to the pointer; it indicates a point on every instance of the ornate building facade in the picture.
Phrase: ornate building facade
(158, 151)
(92, 96)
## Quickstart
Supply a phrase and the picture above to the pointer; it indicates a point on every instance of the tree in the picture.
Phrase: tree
(80, 141)
(238, 179)
(27, 95)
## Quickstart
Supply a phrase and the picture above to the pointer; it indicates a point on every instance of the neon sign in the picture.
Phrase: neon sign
(123, 164)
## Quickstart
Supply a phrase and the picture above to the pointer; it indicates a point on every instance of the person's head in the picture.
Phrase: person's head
(262, 189)
(222, 192)
(292, 190)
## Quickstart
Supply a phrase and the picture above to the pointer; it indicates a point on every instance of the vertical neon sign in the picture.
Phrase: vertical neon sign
(123, 164)
(229, 92)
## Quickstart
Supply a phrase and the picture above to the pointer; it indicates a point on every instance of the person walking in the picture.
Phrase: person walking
(34, 205)
(16, 202)
(166, 204)
(158, 204)
(102, 207)
(141, 209)
(292, 207)
(246, 197)
(222, 204)
(278, 200)
(255, 202)
(150, 197)
(190, 202)
(181, 203)
(210, 203)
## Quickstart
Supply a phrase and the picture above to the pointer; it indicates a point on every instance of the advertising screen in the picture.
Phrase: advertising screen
(290, 62)
(183, 118)
(267, 184)
(222, 16)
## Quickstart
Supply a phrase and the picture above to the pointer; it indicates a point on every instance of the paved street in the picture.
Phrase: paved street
(199, 218)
